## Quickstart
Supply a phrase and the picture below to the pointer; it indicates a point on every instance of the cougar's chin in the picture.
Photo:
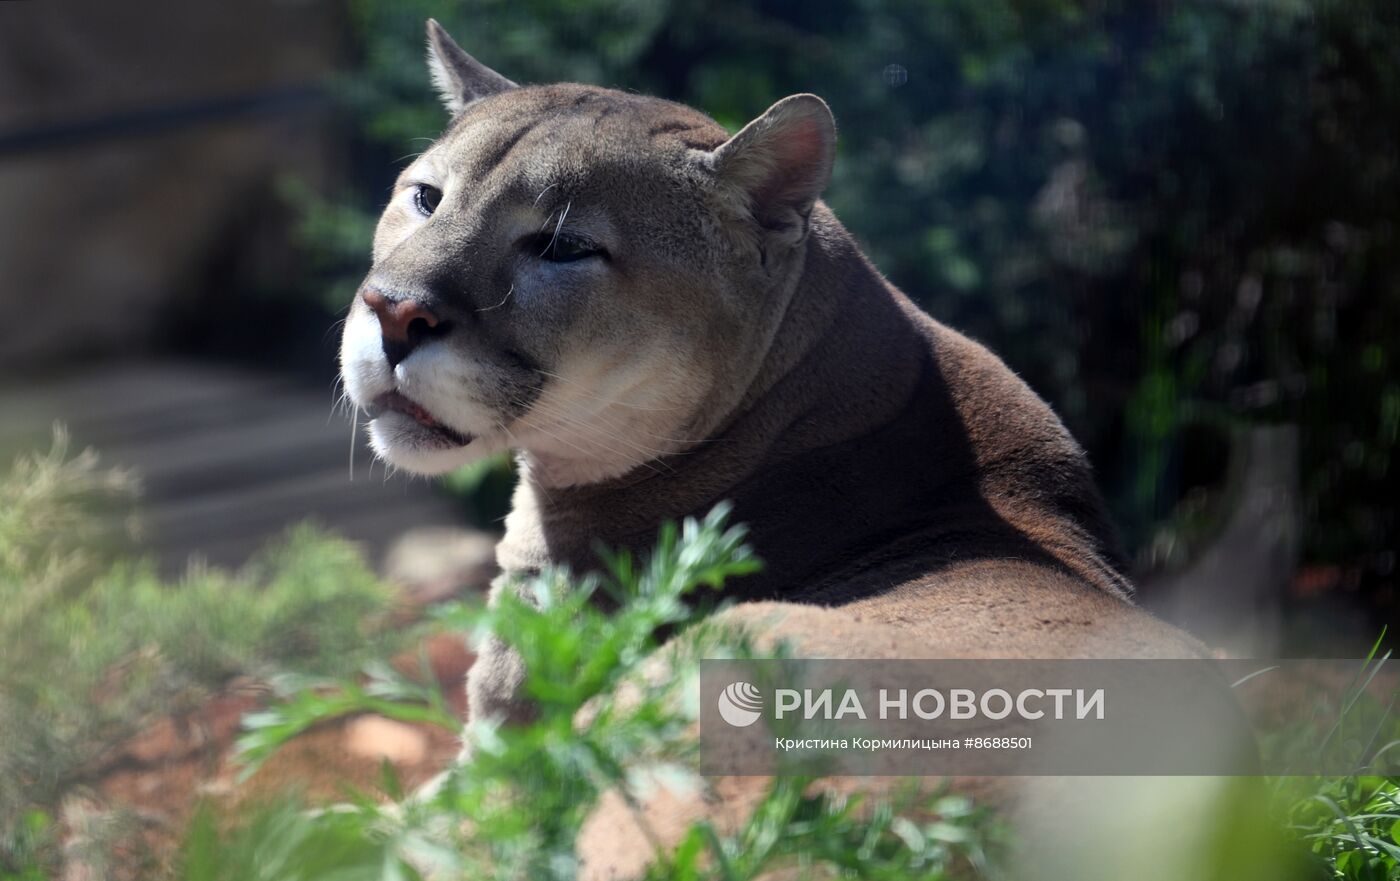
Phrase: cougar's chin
(407, 435)
(401, 441)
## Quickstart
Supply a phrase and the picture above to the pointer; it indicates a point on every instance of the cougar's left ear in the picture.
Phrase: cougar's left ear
(460, 78)
(781, 162)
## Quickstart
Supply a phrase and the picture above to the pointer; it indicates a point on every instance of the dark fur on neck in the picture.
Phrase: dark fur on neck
(874, 446)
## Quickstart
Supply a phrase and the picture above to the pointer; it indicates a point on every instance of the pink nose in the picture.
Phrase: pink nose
(403, 324)
(396, 317)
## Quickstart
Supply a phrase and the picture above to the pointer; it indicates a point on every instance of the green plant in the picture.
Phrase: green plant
(30, 849)
(485, 486)
(516, 809)
(1350, 824)
(93, 644)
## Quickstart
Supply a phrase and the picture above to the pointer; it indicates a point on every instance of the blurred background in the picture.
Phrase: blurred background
(1175, 220)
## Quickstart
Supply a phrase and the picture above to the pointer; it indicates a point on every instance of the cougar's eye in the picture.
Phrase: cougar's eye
(426, 199)
(564, 248)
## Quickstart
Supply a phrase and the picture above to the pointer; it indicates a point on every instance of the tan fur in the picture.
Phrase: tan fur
(910, 495)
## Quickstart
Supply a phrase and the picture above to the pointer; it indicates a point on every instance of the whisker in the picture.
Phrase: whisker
(615, 435)
(613, 423)
(337, 398)
(354, 430)
(585, 391)
(558, 226)
(515, 442)
(332, 329)
(541, 195)
(652, 454)
(645, 464)
(500, 304)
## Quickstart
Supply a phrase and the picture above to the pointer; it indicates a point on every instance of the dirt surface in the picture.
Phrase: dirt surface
(150, 787)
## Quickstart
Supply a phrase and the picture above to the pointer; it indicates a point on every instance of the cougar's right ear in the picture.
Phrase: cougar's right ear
(780, 163)
(460, 79)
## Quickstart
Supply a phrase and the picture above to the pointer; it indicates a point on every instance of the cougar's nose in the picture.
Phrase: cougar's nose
(404, 322)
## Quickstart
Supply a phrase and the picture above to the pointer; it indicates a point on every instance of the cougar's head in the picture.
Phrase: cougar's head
(592, 277)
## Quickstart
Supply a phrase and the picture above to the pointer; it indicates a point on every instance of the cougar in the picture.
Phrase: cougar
(656, 316)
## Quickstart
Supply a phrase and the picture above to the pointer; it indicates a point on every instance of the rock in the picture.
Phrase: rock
(435, 563)
(378, 738)
(1231, 595)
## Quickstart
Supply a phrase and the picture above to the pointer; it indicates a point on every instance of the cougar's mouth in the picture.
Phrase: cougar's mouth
(393, 402)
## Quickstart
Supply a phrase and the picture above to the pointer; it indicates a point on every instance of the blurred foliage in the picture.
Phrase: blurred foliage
(1173, 218)
(93, 645)
(486, 486)
(516, 809)
(1350, 824)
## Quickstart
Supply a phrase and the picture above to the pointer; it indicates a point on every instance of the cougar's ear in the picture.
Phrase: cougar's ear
(781, 162)
(460, 79)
